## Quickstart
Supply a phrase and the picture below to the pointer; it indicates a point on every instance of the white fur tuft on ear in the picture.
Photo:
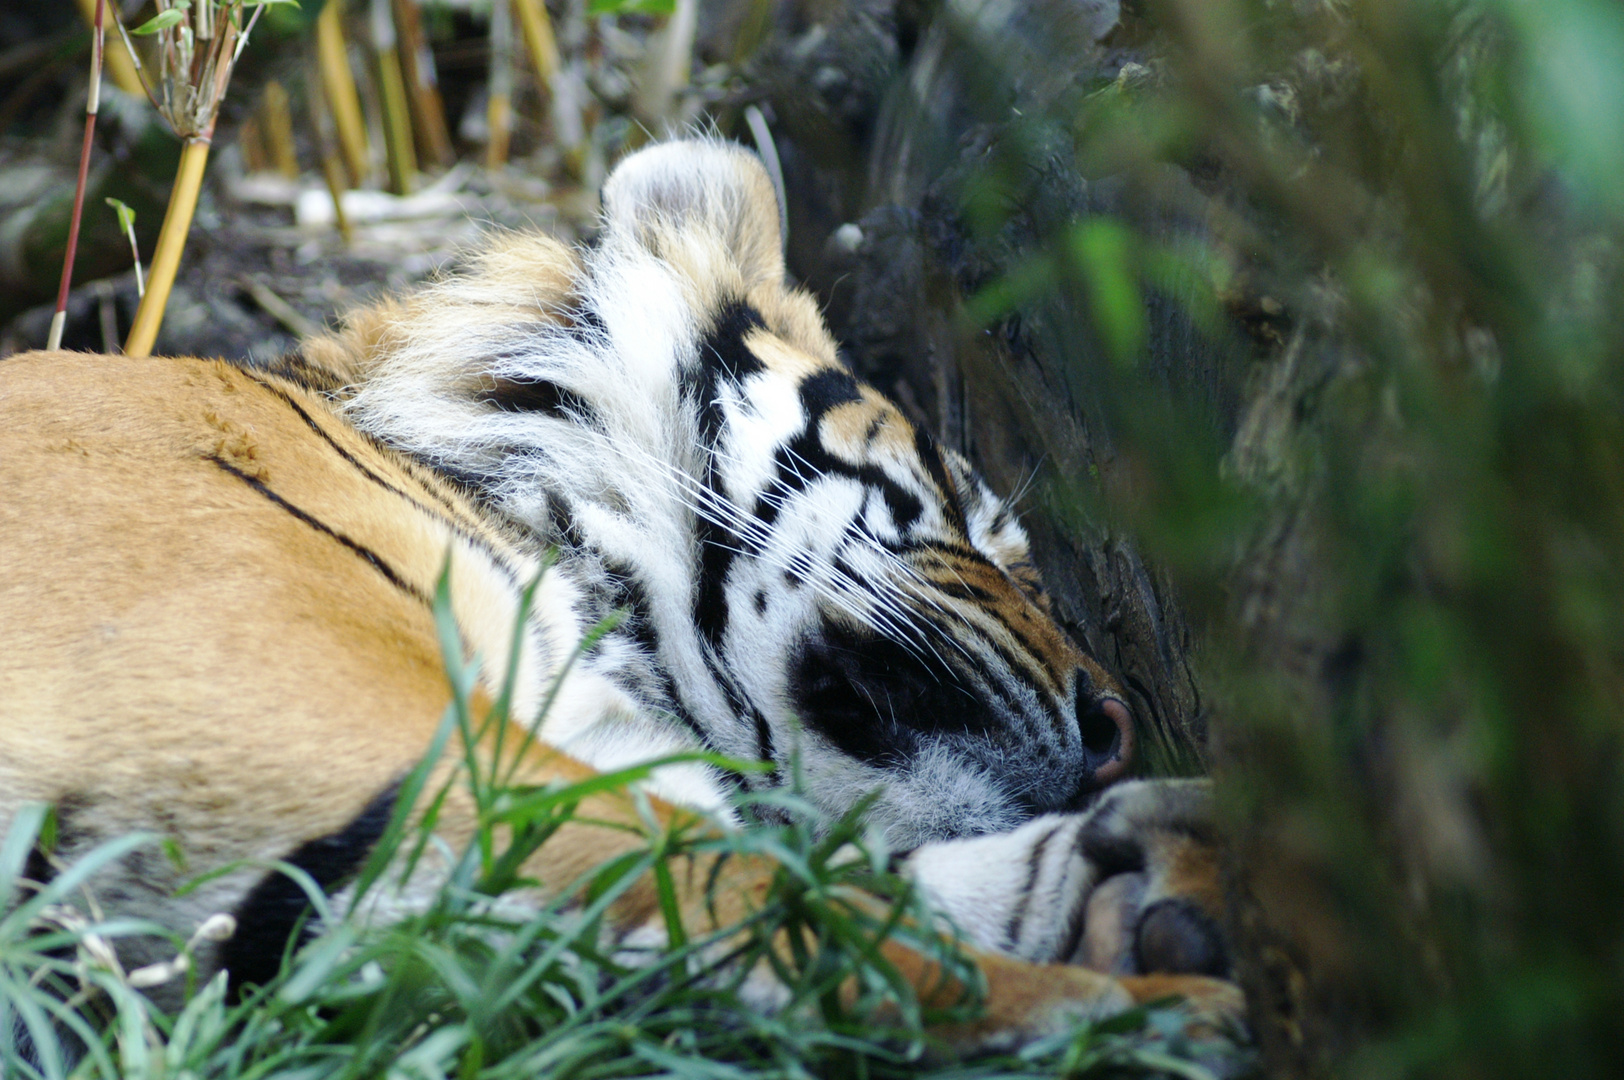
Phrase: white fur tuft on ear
(704, 186)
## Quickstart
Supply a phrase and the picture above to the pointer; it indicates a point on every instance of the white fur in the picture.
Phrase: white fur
(681, 223)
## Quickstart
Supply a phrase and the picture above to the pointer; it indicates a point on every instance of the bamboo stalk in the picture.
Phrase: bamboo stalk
(499, 109)
(499, 119)
(422, 85)
(338, 83)
(276, 129)
(397, 125)
(671, 65)
(539, 41)
(120, 68)
(332, 168)
(199, 45)
(252, 146)
(171, 242)
(542, 45)
(92, 104)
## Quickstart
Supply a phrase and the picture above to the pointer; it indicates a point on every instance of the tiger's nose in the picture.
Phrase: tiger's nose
(1106, 727)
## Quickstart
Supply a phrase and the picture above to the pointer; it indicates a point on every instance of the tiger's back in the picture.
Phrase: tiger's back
(217, 613)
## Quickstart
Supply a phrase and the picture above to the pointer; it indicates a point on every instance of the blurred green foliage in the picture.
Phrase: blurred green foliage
(1407, 549)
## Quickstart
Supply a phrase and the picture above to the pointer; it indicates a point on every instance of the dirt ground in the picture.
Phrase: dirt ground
(254, 279)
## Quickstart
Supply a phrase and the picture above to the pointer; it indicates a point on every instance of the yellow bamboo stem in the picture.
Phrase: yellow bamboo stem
(417, 67)
(332, 169)
(397, 124)
(277, 130)
(149, 315)
(499, 109)
(539, 41)
(251, 143)
(339, 83)
(120, 68)
(499, 119)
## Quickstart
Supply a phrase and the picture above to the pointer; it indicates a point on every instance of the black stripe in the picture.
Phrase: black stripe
(302, 373)
(275, 906)
(626, 593)
(717, 550)
(959, 589)
(562, 520)
(931, 457)
(1017, 669)
(1071, 938)
(803, 461)
(741, 707)
(521, 393)
(366, 553)
(828, 389)
(467, 530)
(723, 355)
(584, 323)
(723, 352)
(1034, 867)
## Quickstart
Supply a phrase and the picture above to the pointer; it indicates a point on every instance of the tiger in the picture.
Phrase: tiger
(218, 610)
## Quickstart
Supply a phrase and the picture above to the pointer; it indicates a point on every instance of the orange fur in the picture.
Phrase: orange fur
(187, 654)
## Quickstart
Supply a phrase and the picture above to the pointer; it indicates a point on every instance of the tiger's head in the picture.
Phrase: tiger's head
(807, 576)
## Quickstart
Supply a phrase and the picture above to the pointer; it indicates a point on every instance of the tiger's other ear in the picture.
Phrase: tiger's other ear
(704, 186)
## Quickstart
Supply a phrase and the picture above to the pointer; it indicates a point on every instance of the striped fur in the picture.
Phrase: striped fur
(218, 623)
(805, 569)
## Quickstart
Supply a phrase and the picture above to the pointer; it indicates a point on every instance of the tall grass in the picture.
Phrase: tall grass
(483, 980)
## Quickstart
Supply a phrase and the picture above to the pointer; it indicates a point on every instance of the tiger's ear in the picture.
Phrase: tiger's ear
(715, 189)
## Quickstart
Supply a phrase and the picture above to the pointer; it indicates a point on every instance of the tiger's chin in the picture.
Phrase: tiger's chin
(936, 794)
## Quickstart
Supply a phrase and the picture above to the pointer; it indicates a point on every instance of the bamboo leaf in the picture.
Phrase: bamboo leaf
(161, 21)
(631, 7)
(126, 216)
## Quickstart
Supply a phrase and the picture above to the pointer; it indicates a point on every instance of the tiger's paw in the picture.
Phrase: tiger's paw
(1124, 894)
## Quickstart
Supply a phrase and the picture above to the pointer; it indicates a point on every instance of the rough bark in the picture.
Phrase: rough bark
(886, 118)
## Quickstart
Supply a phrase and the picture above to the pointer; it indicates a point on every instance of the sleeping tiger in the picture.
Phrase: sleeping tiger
(217, 623)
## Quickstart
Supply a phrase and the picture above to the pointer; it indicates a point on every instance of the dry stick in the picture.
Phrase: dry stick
(338, 83)
(422, 83)
(397, 125)
(752, 30)
(768, 150)
(60, 319)
(120, 68)
(107, 315)
(278, 308)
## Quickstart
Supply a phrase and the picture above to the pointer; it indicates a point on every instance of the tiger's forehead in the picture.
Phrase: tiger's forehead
(781, 358)
(867, 430)
(858, 427)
